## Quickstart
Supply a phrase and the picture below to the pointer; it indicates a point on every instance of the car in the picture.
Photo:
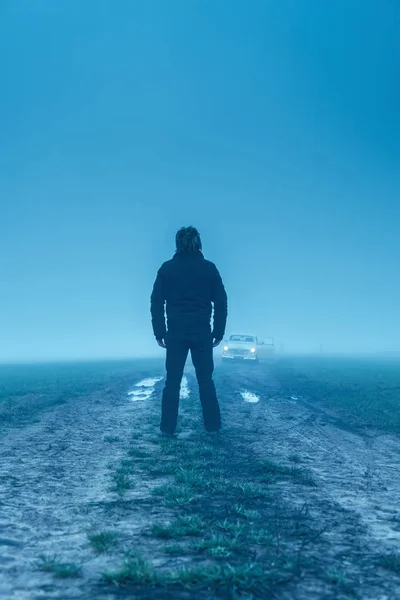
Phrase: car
(241, 347)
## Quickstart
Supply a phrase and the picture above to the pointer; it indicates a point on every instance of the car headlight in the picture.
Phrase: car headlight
(252, 350)
(226, 348)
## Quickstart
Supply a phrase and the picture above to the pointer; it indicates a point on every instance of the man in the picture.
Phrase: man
(188, 286)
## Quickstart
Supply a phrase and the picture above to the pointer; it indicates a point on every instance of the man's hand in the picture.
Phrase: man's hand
(161, 343)
(216, 343)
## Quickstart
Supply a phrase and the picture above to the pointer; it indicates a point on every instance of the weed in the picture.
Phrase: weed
(121, 482)
(243, 580)
(217, 546)
(249, 490)
(220, 486)
(162, 470)
(191, 525)
(262, 537)
(190, 477)
(183, 526)
(101, 542)
(303, 477)
(229, 527)
(247, 513)
(300, 520)
(135, 571)
(270, 467)
(175, 496)
(171, 446)
(52, 564)
(272, 470)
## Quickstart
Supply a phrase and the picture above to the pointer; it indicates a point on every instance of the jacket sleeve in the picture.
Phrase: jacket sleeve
(157, 308)
(220, 301)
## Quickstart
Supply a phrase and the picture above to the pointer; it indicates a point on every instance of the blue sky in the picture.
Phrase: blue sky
(272, 126)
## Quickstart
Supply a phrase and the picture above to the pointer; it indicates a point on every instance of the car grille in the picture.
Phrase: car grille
(239, 351)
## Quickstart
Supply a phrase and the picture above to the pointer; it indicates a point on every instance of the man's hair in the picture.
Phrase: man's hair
(188, 240)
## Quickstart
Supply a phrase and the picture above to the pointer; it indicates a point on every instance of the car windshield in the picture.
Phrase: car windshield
(242, 338)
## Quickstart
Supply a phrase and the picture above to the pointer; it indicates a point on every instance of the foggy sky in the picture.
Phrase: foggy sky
(273, 127)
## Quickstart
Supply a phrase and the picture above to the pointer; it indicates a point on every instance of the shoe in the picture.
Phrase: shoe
(213, 435)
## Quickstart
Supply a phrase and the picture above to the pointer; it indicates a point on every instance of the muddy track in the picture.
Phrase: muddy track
(55, 483)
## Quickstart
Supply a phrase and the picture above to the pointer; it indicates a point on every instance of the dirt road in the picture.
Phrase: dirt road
(58, 488)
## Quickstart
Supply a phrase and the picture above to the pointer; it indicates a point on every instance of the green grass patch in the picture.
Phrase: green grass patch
(262, 537)
(102, 542)
(191, 525)
(191, 477)
(246, 513)
(121, 482)
(234, 528)
(270, 471)
(176, 496)
(249, 490)
(160, 468)
(303, 477)
(218, 546)
(248, 579)
(60, 569)
(242, 580)
(135, 571)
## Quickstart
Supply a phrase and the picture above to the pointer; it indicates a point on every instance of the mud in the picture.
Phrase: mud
(55, 485)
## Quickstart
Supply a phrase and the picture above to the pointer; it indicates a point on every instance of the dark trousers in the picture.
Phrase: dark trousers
(203, 362)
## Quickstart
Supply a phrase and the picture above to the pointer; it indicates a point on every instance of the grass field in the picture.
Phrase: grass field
(25, 390)
(268, 511)
(366, 391)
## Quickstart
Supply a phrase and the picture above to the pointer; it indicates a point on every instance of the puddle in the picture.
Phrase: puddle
(250, 397)
(144, 389)
(185, 392)
(149, 382)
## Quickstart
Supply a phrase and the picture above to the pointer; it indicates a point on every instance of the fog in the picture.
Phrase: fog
(273, 127)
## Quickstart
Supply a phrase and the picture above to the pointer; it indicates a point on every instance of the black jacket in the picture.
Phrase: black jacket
(188, 285)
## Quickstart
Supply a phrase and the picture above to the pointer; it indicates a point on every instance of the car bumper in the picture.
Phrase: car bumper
(240, 357)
